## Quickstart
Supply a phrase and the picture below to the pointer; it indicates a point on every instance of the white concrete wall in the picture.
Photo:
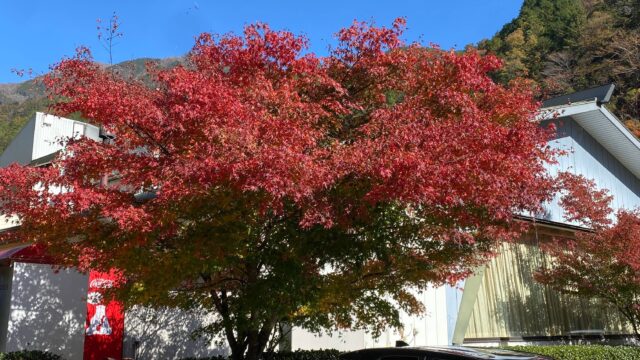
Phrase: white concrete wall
(431, 328)
(48, 310)
(343, 340)
(166, 334)
(7, 222)
(434, 327)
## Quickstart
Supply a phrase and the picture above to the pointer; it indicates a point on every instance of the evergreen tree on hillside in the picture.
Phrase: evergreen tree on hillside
(14, 116)
(543, 27)
(569, 45)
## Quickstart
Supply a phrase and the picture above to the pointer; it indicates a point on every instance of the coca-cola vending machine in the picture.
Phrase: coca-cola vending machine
(104, 328)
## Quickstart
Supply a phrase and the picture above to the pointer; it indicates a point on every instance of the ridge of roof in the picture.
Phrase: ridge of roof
(601, 94)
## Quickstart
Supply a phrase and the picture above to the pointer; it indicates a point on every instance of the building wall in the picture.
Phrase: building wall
(434, 327)
(585, 156)
(511, 304)
(48, 310)
(51, 130)
(7, 222)
(42, 136)
(165, 333)
(342, 340)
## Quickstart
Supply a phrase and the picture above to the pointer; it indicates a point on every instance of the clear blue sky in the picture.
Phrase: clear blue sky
(37, 33)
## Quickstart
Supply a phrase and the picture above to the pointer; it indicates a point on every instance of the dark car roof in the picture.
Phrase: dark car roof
(455, 351)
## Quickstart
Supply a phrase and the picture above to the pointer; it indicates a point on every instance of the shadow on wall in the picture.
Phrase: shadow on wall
(165, 333)
(47, 311)
(525, 308)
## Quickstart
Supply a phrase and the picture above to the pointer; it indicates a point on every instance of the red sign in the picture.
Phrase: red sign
(104, 328)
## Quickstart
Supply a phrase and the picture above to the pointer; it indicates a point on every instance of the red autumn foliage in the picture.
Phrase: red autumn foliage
(391, 163)
(603, 262)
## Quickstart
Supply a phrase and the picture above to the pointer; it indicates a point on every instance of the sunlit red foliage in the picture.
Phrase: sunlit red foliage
(392, 164)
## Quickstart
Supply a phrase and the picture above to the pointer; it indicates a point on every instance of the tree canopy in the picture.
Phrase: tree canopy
(266, 184)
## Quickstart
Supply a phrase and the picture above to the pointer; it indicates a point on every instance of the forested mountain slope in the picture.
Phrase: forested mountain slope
(569, 45)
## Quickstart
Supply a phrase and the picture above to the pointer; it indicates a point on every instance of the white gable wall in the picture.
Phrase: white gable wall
(585, 156)
(51, 130)
(42, 136)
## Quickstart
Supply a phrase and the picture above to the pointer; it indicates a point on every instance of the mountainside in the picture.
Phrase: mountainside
(20, 101)
(570, 45)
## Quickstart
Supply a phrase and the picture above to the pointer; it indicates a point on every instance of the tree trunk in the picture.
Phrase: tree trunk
(245, 343)
(237, 353)
(635, 330)
(253, 348)
(629, 314)
(252, 345)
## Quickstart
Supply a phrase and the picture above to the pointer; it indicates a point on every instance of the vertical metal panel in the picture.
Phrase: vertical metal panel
(585, 156)
(510, 303)
(52, 131)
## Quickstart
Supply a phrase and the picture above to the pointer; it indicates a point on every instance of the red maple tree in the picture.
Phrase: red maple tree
(268, 185)
(603, 262)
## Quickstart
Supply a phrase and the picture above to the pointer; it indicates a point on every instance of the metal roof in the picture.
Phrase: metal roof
(602, 94)
(45, 160)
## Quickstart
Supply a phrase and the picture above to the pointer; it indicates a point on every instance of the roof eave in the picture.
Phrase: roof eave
(608, 130)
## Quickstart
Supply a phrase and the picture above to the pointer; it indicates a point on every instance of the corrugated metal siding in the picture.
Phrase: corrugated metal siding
(510, 303)
(587, 157)
(50, 130)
